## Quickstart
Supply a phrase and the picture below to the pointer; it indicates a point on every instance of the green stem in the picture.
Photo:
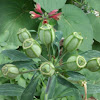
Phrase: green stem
(49, 52)
(64, 53)
(43, 58)
(29, 71)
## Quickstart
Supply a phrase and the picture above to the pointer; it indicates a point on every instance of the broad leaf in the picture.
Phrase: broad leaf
(95, 22)
(15, 55)
(30, 89)
(49, 5)
(90, 54)
(75, 20)
(11, 90)
(95, 4)
(15, 15)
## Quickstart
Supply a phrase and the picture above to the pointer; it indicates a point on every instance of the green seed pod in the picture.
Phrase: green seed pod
(93, 64)
(23, 34)
(10, 71)
(47, 68)
(73, 41)
(46, 34)
(32, 48)
(75, 63)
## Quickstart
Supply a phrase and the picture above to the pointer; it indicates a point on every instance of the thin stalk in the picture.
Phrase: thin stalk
(60, 57)
(49, 52)
(84, 83)
(43, 58)
(29, 71)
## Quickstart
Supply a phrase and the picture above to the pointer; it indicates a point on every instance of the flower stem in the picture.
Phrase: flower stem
(64, 53)
(29, 71)
(84, 83)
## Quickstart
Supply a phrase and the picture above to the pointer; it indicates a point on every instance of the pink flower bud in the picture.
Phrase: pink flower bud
(34, 15)
(53, 12)
(38, 8)
(56, 16)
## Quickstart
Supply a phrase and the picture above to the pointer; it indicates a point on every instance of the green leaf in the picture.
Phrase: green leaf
(65, 82)
(15, 15)
(76, 76)
(94, 4)
(11, 90)
(75, 20)
(90, 54)
(91, 88)
(95, 22)
(49, 5)
(30, 89)
(15, 55)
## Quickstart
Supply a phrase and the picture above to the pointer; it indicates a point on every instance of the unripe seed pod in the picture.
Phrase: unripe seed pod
(46, 34)
(23, 34)
(93, 64)
(47, 68)
(73, 41)
(32, 48)
(10, 71)
(75, 63)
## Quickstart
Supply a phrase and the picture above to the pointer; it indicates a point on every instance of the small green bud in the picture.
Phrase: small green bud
(32, 48)
(75, 63)
(73, 41)
(10, 71)
(93, 64)
(47, 68)
(46, 34)
(23, 34)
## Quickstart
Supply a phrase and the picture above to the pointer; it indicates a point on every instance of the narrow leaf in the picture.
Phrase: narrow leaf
(11, 90)
(15, 55)
(65, 82)
(30, 89)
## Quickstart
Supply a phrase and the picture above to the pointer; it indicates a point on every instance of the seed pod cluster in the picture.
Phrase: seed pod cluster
(31, 47)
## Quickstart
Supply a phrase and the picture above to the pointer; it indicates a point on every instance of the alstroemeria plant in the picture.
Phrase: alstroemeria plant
(53, 14)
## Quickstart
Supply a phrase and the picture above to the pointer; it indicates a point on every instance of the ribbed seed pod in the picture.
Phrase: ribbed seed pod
(46, 34)
(93, 64)
(47, 68)
(75, 63)
(10, 71)
(32, 48)
(73, 41)
(23, 34)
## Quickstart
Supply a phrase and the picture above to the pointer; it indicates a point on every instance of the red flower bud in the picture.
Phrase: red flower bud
(34, 15)
(38, 8)
(53, 12)
(56, 16)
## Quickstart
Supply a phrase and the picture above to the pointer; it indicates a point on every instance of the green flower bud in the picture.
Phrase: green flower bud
(46, 34)
(23, 34)
(10, 71)
(73, 41)
(47, 68)
(32, 48)
(75, 63)
(93, 64)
